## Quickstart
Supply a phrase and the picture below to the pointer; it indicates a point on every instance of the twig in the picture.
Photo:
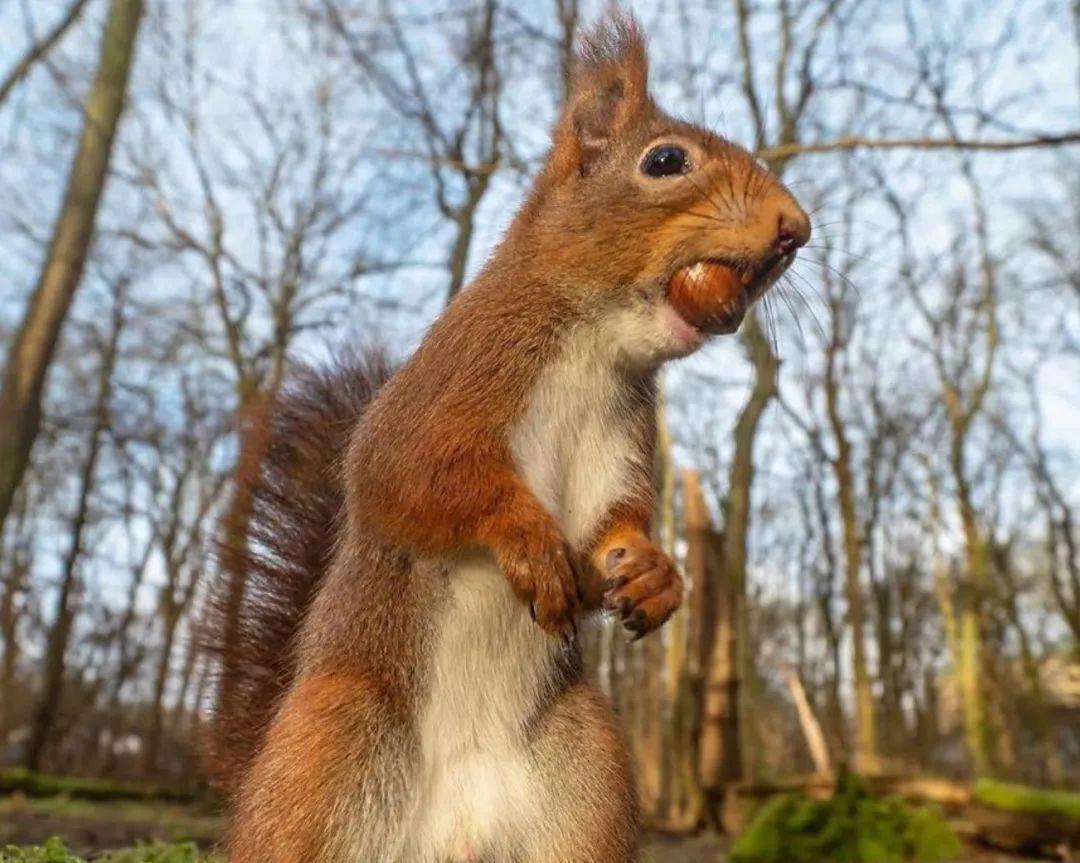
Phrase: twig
(855, 143)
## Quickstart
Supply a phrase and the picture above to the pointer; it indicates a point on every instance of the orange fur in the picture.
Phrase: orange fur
(308, 771)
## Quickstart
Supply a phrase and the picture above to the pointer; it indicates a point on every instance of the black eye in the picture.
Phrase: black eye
(665, 161)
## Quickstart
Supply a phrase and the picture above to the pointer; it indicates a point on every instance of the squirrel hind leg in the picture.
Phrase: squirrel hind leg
(308, 795)
(590, 802)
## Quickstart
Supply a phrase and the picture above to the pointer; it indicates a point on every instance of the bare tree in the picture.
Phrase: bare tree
(39, 49)
(189, 493)
(16, 562)
(35, 341)
(790, 113)
(64, 614)
(462, 137)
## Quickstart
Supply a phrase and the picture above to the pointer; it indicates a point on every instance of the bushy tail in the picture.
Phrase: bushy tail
(279, 534)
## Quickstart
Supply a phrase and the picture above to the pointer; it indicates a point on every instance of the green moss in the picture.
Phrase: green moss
(55, 851)
(851, 827)
(43, 785)
(1023, 798)
(131, 820)
(185, 853)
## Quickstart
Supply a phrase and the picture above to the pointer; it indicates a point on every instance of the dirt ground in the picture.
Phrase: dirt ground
(89, 828)
(92, 827)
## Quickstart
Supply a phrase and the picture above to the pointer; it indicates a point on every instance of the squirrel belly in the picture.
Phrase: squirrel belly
(580, 446)
(491, 672)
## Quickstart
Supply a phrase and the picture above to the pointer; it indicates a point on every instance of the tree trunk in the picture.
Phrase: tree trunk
(718, 678)
(659, 692)
(56, 646)
(464, 224)
(16, 568)
(170, 617)
(35, 341)
(815, 737)
(650, 694)
(865, 721)
(969, 664)
(191, 657)
(127, 659)
(685, 663)
(727, 665)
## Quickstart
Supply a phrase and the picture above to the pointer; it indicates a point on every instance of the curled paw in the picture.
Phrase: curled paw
(644, 586)
(539, 570)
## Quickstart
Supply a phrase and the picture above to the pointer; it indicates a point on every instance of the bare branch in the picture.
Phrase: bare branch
(40, 49)
(849, 143)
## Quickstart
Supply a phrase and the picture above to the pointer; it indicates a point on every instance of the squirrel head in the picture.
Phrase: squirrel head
(672, 228)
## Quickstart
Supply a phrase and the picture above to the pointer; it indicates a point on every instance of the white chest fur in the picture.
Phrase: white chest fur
(477, 795)
(490, 667)
(574, 444)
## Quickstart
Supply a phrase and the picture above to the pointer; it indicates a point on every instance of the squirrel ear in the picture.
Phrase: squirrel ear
(608, 91)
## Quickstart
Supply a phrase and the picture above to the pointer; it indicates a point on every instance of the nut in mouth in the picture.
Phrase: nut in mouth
(714, 294)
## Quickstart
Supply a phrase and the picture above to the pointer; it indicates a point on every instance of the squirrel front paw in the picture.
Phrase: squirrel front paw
(644, 586)
(538, 568)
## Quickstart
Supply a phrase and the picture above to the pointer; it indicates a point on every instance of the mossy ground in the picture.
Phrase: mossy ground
(56, 851)
(175, 833)
(698, 850)
(1023, 798)
(850, 827)
(16, 780)
(88, 825)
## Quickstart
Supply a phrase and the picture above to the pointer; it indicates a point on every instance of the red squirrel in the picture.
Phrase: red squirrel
(404, 682)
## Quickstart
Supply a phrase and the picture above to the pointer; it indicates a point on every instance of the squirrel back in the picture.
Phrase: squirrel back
(279, 536)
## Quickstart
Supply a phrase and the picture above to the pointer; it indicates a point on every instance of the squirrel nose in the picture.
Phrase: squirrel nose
(792, 230)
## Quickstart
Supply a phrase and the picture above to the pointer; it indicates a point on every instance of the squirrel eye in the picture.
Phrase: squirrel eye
(665, 161)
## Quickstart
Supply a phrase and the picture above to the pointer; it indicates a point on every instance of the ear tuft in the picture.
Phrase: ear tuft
(614, 50)
(609, 89)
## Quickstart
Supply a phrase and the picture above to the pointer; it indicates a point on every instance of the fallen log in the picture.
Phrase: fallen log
(1021, 818)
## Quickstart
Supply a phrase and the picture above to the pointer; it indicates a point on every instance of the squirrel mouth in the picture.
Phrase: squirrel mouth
(714, 294)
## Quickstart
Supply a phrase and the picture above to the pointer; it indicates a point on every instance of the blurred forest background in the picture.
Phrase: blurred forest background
(874, 487)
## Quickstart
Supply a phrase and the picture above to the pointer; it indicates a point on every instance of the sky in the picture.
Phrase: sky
(1030, 80)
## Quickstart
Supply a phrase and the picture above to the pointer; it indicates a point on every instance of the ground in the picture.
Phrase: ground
(90, 828)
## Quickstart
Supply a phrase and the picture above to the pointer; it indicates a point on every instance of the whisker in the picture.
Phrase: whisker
(826, 201)
(694, 213)
(794, 317)
(809, 284)
(847, 252)
(704, 194)
(809, 306)
(729, 172)
(770, 322)
(826, 265)
(832, 224)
